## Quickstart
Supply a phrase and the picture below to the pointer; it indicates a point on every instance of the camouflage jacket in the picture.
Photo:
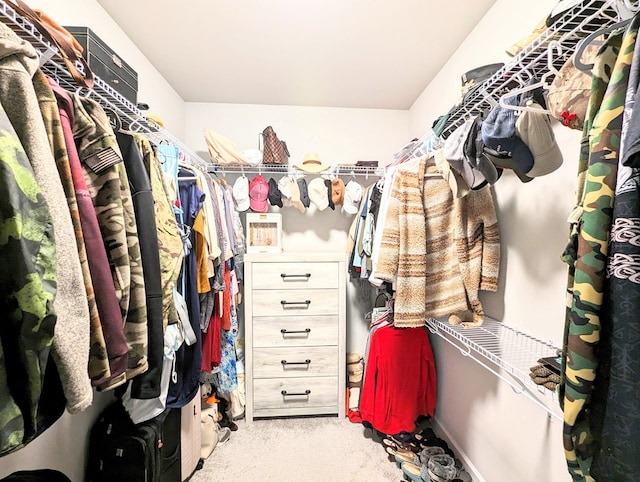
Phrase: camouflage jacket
(109, 187)
(70, 359)
(27, 291)
(587, 277)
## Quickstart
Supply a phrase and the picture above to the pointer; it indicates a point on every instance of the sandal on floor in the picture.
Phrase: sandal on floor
(400, 457)
(397, 445)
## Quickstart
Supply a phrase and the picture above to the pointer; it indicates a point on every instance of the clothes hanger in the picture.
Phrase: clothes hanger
(590, 39)
(554, 45)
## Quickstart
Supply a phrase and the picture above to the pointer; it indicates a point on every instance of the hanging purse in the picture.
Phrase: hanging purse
(68, 47)
(274, 151)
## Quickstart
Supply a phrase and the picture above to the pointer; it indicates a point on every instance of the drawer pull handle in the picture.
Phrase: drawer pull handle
(285, 275)
(285, 362)
(285, 302)
(285, 394)
(290, 332)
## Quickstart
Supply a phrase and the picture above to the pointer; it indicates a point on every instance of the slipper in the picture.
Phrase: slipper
(415, 473)
(441, 468)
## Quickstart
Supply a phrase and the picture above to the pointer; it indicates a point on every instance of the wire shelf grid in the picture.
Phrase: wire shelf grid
(508, 350)
(532, 62)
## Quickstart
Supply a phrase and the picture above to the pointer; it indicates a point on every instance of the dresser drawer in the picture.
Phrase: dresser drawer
(295, 302)
(295, 331)
(298, 393)
(310, 361)
(294, 275)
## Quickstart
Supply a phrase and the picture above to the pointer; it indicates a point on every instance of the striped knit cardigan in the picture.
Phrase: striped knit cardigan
(440, 250)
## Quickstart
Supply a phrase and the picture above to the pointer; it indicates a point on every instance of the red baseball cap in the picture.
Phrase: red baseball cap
(258, 194)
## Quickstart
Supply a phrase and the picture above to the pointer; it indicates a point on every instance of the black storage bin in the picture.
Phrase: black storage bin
(106, 64)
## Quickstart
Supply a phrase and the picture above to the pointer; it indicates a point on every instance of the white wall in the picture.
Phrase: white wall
(339, 136)
(153, 89)
(505, 435)
(63, 446)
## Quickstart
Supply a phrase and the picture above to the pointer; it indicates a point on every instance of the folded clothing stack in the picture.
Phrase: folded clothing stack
(355, 370)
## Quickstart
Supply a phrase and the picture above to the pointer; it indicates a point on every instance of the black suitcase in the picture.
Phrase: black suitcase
(122, 451)
(170, 469)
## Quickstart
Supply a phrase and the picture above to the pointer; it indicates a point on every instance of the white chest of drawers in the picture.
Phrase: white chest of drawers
(295, 334)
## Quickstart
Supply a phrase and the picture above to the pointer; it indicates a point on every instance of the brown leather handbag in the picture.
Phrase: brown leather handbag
(274, 151)
(68, 47)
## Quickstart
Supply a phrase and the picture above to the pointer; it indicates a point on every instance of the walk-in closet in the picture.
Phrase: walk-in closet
(311, 241)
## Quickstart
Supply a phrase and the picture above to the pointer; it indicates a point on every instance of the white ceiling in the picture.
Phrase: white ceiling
(332, 53)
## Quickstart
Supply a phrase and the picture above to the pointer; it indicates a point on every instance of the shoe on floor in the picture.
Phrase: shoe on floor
(224, 433)
(441, 468)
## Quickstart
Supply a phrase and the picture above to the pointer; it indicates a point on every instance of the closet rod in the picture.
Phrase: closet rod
(284, 170)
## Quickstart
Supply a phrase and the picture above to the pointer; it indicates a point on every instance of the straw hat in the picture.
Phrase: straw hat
(312, 164)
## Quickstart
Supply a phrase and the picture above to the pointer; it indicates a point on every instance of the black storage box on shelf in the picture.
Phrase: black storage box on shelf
(106, 64)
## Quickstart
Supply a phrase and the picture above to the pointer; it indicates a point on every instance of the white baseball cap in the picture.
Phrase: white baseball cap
(318, 193)
(241, 193)
(352, 196)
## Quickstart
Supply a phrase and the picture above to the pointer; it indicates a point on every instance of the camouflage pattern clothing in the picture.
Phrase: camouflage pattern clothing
(109, 186)
(584, 314)
(103, 359)
(68, 347)
(27, 288)
(18, 64)
(169, 241)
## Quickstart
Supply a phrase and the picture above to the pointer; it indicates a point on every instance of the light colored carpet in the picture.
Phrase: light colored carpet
(317, 449)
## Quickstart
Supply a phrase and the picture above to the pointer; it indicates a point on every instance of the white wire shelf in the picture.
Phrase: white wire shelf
(532, 62)
(505, 351)
(289, 169)
(131, 117)
(528, 65)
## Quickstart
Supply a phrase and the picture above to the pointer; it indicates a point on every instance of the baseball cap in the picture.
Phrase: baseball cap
(318, 193)
(456, 182)
(534, 128)
(454, 152)
(304, 192)
(352, 197)
(284, 186)
(295, 196)
(241, 193)
(337, 191)
(504, 147)
(569, 93)
(275, 196)
(474, 155)
(329, 188)
(258, 194)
